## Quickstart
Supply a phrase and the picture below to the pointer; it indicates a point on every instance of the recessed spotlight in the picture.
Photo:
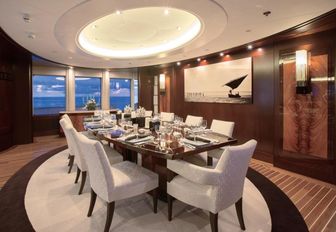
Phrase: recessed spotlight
(221, 54)
(249, 47)
(260, 49)
(198, 59)
(70, 67)
(178, 63)
(166, 12)
(118, 12)
(179, 28)
(267, 13)
(27, 18)
(31, 36)
(227, 55)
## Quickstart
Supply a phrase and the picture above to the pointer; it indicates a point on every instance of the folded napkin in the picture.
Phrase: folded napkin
(100, 130)
(206, 139)
(139, 140)
(196, 143)
(127, 137)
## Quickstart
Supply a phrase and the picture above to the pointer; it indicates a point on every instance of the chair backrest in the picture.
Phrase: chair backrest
(64, 123)
(148, 113)
(233, 165)
(97, 113)
(167, 117)
(222, 127)
(100, 174)
(80, 159)
(193, 120)
(68, 119)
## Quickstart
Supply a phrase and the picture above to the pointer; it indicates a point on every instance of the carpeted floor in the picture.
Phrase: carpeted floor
(52, 203)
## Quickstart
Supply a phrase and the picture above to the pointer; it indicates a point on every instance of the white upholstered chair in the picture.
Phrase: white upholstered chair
(148, 113)
(206, 158)
(112, 155)
(212, 189)
(220, 127)
(86, 133)
(64, 121)
(115, 182)
(167, 117)
(193, 120)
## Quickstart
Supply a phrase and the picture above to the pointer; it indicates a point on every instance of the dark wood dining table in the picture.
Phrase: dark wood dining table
(156, 160)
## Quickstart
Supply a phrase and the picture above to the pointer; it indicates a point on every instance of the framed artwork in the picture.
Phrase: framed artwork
(224, 82)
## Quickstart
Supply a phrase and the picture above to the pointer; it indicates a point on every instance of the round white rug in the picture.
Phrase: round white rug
(52, 204)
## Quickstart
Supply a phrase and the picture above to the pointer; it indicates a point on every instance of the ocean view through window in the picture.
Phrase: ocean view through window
(48, 94)
(120, 93)
(87, 88)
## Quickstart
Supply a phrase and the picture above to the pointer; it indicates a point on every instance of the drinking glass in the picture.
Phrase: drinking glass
(204, 125)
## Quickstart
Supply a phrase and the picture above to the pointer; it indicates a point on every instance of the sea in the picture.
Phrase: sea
(53, 105)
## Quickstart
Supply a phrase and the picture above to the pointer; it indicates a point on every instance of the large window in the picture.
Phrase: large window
(87, 88)
(48, 94)
(120, 93)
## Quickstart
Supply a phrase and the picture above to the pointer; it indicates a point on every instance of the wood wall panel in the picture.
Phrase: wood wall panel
(146, 88)
(263, 120)
(15, 62)
(305, 125)
(251, 120)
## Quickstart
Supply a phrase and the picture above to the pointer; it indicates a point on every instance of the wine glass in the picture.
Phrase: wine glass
(204, 125)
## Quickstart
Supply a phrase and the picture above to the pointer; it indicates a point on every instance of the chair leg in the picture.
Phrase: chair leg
(214, 222)
(71, 161)
(77, 175)
(82, 183)
(155, 199)
(209, 161)
(92, 202)
(170, 206)
(109, 216)
(239, 210)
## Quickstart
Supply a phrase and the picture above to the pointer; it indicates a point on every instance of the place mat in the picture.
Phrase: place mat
(196, 143)
(140, 140)
(206, 139)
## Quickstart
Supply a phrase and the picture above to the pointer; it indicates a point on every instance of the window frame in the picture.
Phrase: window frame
(101, 90)
(32, 94)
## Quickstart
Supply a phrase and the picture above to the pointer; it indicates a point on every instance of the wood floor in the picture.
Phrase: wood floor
(316, 200)
(16, 157)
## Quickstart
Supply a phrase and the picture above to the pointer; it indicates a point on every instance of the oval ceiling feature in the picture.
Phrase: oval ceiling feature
(139, 32)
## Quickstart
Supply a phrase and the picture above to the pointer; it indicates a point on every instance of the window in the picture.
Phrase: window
(87, 88)
(120, 93)
(48, 94)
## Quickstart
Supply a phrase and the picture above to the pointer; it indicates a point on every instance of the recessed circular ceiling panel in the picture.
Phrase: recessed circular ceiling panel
(139, 32)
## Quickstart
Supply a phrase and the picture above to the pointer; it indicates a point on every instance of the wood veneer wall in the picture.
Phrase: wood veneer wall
(262, 119)
(15, 107)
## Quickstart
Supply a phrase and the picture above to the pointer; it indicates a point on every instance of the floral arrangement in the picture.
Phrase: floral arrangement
(141, 112)
(128, 109)
(91, 104)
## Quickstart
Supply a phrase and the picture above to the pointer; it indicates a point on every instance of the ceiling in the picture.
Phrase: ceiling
(54, 27)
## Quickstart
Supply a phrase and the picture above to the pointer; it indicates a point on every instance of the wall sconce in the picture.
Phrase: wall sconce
(162, 85)
(301, 66)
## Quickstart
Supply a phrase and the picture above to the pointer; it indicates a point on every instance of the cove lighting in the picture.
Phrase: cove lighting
(116, 39)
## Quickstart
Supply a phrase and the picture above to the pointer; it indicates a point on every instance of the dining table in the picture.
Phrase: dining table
(154, 157)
